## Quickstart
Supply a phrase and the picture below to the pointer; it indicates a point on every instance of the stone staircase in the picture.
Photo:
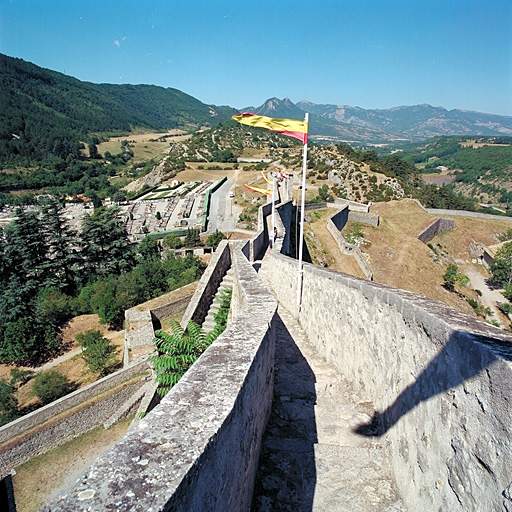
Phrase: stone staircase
(226, 283)
(311, 459)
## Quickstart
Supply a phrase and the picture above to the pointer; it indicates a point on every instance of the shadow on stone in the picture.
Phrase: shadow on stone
(286, 476)
(458, 361)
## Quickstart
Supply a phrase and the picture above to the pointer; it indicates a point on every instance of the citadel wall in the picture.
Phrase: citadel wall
(440, 381)
(199, 448)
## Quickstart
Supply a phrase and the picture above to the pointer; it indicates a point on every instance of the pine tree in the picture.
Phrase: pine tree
(63, 258)
(105, 247)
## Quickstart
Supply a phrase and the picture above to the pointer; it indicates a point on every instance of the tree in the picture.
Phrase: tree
(105, 246)
(8, 403)
(53, 307)
(214, 239)
(61, 264)
(192, 238)
(93, 151)
(103, 301)
(26, 250)
(49, 386)
(148, 249)
(99, 356)
(21, 343)
(501, 267)
(172, 241)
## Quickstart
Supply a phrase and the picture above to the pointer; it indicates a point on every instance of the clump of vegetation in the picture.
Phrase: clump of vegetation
(215, 239)
(501, 269)
(177, 351)
(8, 402)
(180, 348)
(452, 277)
(97, 352)
(51, 385)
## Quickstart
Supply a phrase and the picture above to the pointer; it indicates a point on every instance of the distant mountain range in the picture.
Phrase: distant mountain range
(413, 123)
(43, 111)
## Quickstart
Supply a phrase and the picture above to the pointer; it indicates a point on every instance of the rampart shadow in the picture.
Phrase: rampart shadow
(460, 359)
(286, 477)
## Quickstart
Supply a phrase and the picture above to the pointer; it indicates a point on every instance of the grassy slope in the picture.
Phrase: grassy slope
(400, 260)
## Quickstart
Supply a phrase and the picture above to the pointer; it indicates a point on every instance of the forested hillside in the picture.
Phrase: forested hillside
(49, 273)
(47, 114)
(481, 168)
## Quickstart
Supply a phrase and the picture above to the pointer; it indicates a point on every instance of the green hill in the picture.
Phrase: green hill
(46, 113)
(479, 167)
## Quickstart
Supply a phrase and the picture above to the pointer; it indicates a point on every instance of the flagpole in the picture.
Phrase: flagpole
(273, 207)
(303, 202)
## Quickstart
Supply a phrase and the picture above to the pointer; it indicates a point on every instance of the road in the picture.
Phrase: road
(223, 212)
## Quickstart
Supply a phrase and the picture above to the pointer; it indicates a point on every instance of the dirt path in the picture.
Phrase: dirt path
(489, 297)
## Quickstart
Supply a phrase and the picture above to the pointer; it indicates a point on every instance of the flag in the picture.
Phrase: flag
(289, 127)
(260, 190)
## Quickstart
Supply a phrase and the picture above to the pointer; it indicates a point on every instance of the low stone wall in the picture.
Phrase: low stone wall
(371, 219)
(440, 381)
(199, 448)
(197, 308)
(171, 308)
(463, 213)
(434, 228)
(55, 434)
(353, 205)
(339, 219)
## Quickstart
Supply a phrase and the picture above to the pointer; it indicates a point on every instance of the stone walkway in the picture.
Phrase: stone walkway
(311, 459)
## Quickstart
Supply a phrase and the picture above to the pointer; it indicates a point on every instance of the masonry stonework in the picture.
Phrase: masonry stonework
(441, 383)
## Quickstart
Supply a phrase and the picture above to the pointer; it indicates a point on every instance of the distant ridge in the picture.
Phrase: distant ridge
(40, 107)
(417, 122)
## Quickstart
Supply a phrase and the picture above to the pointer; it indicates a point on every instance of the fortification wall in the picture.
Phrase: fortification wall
(21, 442)
(434, 228)
(198, 306)
(199, 448)
(340, 219)
(440, 381)
(464, 213)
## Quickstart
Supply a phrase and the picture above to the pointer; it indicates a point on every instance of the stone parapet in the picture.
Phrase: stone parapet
(199, 448)
(441, 382)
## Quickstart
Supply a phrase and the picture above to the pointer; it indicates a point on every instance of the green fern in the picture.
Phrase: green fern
(177, 352)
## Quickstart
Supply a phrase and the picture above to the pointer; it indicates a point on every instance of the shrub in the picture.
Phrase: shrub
(97, 353)
(8, 403)
(49, 386)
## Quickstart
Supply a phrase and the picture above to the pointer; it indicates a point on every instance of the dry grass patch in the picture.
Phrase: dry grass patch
(326, 251)
(41, 478)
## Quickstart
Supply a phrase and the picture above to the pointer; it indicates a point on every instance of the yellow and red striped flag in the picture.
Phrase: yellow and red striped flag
(289, 127)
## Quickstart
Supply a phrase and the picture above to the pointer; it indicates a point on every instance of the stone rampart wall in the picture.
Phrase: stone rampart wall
(199, 448)
(364, 218)
(353, 205)
(198, 306)
(171, 308)
(440, 381)
(434, 228)
(464, 213)
(53, 435)
(340, 219)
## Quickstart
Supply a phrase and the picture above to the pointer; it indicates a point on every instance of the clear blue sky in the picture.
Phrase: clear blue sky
(367, 53)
